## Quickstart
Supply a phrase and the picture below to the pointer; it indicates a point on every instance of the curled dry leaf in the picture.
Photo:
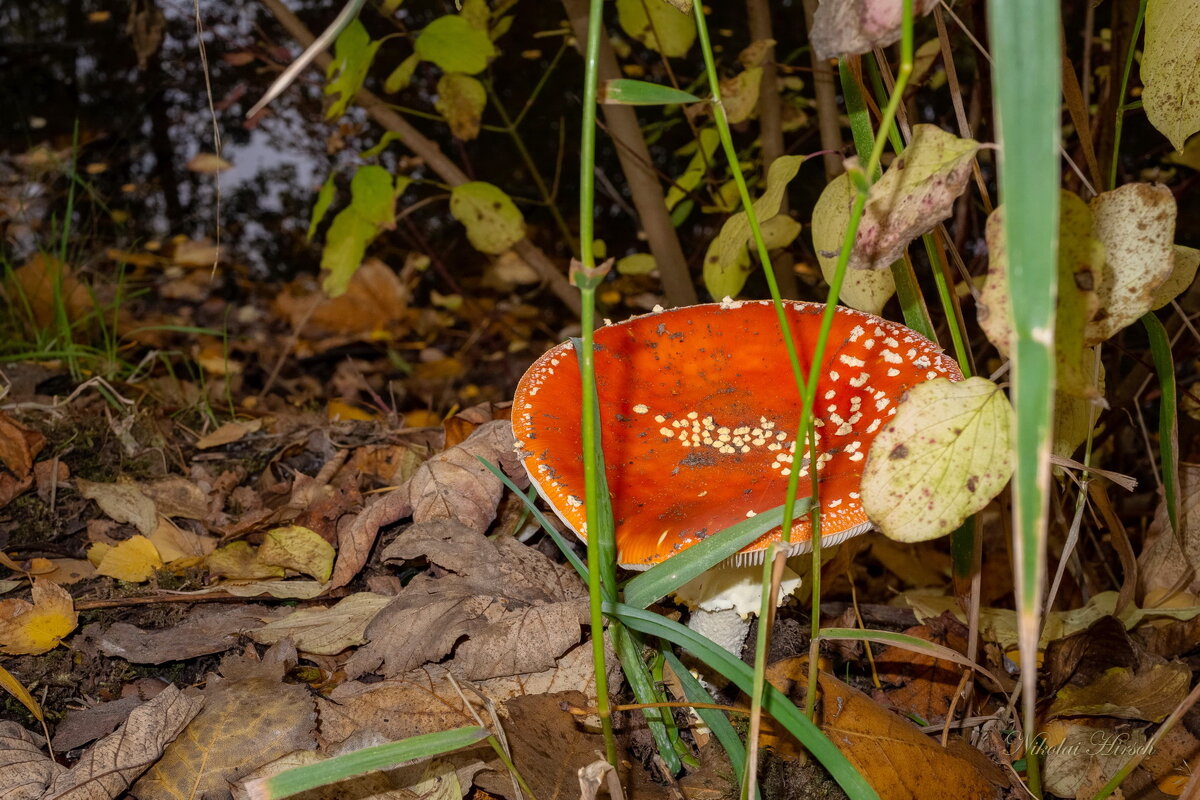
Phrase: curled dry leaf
(205, 630)
(943, 457)
(454, 485)
(326, 631)
(245, 723)
(1148, 694)
(19, 447)
(1136, 224)
(33, 628)
(854, 27)
(113, 763)
(228, 433)
(299, 549)
(916, 192)
(505, 610)
(866, 290)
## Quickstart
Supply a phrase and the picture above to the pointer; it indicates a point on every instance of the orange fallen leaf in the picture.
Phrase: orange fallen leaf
(34, 628)
(228, 433)
(341, 410)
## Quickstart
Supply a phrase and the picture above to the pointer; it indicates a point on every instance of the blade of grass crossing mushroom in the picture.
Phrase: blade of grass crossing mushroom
(629, 652)
(1168, 420)
(775, 702)
(587, 276)
(716, 721)
(1026, 75)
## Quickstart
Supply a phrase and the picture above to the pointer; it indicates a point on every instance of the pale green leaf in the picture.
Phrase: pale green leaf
(455, 45)
(460, 100)
(780, 231)
(865, 289)
(372, 206)
(665, 29)
(352, 56)
(916, 192)
(696, 168)
(1080, 264)
(493, 221)
(401, 76)
(1171, 68)
(943, 457)
(387, 138)
(1187, 259)
(324, 200)
(637, 264)
(725, 278)
(476, 12)
(1136, 224)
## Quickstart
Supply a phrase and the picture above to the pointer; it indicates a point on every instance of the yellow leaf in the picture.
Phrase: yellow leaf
(10, 684)
(657, 25)
(461, 99)
(208, 163)
(300, 549)
(133, 560)
(865, 289)
(944, 456)
(239, 561)
(96, 553)
(32, 629)
(341, 410)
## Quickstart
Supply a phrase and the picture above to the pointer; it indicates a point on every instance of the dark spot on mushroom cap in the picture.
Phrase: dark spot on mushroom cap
(898, 452)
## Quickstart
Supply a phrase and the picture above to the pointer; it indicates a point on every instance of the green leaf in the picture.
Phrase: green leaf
(1171, 68)
(460, 100)
(1168, 419)
(401, 76)
(637, 264)
(696, 168)
(455, 45)
(727, 262)
(739, 94)
(665, 29)
(476, 12)
(944, 456)
(625, 91)
(387, 138)
(493, 221)
(372, 206)
(865, 289)
(775, 702)
(360, 762)
(667, 576)
(352, 56)
(324, 200)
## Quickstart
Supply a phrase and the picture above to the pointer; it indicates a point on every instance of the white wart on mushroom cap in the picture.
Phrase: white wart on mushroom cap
(698, 412)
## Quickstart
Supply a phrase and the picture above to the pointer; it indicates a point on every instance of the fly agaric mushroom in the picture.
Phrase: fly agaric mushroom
(697, 416)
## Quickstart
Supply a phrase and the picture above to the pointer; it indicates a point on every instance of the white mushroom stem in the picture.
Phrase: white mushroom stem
(723, 599)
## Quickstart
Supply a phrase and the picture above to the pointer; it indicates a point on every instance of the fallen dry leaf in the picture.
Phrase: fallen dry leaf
(246, 722)
(925, 685)
(81, 726)
(112, 764)
(228, 433)
(45, 284)
(208, 163)
(19, 447)
(454, 485)
(173, 542)
(206, 629)
(122, 501)
(25, 771)
(507, 610)
(239, 561)
(375, 302)
(297, 548)
(1077, 761)
(33, 628)
(133, 560)
(1148, 694)
(434, 779)
(177, 496)
(1162, 563)
(325, 631)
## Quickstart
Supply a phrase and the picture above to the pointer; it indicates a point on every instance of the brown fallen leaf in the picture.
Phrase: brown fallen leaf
(1149, 694)
(246, 722)
(108, 768)
(122, 501)
(376, 301)
(899, 761)
(1162, 563)
(925, 685)
(45, 283)
(177, 496)
(1080, 756)
(83, 725)
(25, 771)
(19, 446)
(228, 433)
(206, 629)
(434, 779)
(508, 609)
(325, 631)
(454, 485)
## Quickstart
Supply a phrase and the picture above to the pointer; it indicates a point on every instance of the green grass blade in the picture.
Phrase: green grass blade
(906, 642)
(662, 579)
(625, 91)
(1027, 75)
(359, 762)
(1168, 418)
(629, 652)
(716, 720)
(775, 702)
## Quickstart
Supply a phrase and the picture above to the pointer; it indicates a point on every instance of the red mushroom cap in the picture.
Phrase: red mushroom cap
(698, 412)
